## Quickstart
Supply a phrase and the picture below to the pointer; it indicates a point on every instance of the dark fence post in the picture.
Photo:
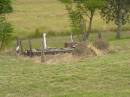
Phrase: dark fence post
(99, 35)
(21, 46)
(30, 48)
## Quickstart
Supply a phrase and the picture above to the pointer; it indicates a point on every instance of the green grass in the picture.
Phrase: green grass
(105, 76)
(47, 16)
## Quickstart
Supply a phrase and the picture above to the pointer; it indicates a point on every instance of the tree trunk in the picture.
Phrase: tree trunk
(83, 29)
(119, 22)
(119, 30)
(1, 45)
(87, 33)
(90, 24)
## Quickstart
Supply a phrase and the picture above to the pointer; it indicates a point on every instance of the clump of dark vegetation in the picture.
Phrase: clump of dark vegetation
(100, 43)
(81, 49)
(99, 47)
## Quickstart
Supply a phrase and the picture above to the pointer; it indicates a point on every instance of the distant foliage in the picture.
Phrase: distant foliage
(118, 12)
(5, 27)
(5, 32)
(74, 15)
(5, 6)
(80, 11)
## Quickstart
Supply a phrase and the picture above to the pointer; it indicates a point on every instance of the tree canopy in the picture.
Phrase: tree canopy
(83, 9)
(5, 6)
(117, 11)
(5, 27)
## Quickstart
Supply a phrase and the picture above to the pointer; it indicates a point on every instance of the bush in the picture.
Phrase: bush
(101, 44)
(5, 33)
(81, 49)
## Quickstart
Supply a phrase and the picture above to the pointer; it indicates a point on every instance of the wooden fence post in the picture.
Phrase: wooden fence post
(30, 48)
(21, 46)
(99, 35)
(17, 46)
(43, 47)
(45, 41)
(71, 38)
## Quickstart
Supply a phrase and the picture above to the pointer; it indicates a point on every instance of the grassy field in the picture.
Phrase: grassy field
(98, 76)
(47, 16)
(104, 76)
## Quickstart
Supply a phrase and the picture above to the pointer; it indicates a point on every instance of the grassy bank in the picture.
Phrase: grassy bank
(105, 76)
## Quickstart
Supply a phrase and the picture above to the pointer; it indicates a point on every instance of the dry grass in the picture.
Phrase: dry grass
(48, 16)
(66, 58)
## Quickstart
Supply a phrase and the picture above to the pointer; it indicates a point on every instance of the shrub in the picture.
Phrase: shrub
(101, 44)
(81, 49)
(5, 33)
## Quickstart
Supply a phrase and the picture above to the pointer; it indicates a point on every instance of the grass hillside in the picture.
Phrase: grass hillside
(104, 76)
(48, 16)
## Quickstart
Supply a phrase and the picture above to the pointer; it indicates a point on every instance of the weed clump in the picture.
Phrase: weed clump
(81, 49)
(101, 44)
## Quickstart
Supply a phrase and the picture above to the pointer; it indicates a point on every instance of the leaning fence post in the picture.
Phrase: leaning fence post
(17, 46)
(71, 38)
(43, 47)
(44, 39)
(30, 48)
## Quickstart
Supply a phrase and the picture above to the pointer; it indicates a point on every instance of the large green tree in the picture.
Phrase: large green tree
(5, 27)
(5, 6)
(5, 32)
(83, 10)
(74, 15)
(117, 11)
(89, 7)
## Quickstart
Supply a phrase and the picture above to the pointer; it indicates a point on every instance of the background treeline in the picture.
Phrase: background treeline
(116, 11)
(5, 27)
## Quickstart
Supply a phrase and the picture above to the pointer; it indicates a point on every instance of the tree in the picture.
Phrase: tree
(5, 32)
(5, 27)
(5, 6)
(117, 11)
(89, 8)
(84, 9)
(74, 15)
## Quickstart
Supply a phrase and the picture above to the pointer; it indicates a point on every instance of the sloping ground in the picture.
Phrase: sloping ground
(105, 76)
(46, 15)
